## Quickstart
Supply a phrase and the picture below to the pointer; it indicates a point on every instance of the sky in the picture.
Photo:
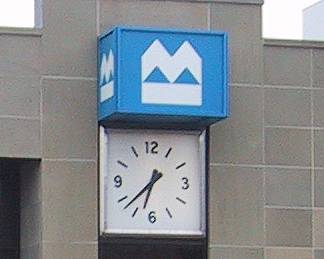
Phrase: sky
(281, 18)
(17, 13)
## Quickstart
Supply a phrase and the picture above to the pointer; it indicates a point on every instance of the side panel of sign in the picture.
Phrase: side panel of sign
(107, 67)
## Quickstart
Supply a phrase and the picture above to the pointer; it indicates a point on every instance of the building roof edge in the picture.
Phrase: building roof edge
(313, 5)
(34, 32)
(247, 2)
(293, 43)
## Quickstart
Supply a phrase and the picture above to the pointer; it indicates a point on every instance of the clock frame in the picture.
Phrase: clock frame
(140, 207)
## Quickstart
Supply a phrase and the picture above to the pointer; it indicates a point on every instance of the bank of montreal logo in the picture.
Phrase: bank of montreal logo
(171, 79)
(107, 76)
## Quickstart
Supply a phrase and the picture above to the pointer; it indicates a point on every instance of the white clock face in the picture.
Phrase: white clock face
(153, 182)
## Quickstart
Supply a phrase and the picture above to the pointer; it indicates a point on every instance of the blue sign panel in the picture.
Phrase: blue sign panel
(162, 76)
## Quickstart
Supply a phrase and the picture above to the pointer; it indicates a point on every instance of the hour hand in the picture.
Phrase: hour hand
(147, 196)
(155, 177)
(158, 175)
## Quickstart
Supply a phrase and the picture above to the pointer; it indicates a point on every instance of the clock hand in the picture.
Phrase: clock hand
(155, 177)
(147, 196)
(150, 190)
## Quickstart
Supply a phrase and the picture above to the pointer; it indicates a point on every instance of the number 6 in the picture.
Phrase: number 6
(152, 217)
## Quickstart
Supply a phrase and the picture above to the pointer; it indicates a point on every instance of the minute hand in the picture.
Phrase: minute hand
(155, 177)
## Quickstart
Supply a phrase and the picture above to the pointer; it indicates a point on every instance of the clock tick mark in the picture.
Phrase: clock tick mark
(180, 200)
(134, 213)
(134, 151)
(123, 198)
(169, 213)
(122, 164)
(168, 153)
(181, 165)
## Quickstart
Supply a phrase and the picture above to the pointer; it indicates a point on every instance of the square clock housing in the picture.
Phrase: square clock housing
(162, 77)
(153, 182)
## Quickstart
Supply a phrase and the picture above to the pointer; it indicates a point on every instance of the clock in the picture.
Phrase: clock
(153, 182)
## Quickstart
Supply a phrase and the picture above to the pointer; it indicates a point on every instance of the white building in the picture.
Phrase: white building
(313, 21)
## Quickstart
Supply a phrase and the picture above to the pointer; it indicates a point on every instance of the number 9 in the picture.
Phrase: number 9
(118, 181)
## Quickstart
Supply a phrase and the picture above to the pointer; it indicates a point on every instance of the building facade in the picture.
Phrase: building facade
(266, 186)
(313, 21)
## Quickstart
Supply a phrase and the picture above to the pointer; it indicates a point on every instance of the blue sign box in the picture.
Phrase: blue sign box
(162, 78)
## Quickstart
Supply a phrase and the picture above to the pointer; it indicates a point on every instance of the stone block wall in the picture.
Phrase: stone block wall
(293, 148)
(266, 161)
(265, 202)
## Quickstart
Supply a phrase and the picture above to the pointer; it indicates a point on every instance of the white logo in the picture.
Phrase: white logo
(171, 79)
(107, 77)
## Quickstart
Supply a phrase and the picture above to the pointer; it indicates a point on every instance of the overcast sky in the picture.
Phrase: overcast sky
(281, 18)
(18, 13)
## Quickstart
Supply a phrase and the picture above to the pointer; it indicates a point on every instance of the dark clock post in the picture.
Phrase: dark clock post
(158, 92)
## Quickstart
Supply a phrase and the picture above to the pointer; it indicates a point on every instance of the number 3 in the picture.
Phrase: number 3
(185, 185)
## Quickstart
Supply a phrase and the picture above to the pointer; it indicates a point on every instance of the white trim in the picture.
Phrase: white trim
(151, 232)
(172, 94)
(102, 166)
